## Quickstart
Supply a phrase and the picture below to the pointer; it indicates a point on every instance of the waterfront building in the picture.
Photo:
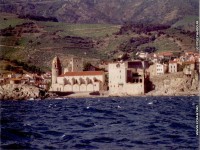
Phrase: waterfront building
(126, 78)
(76, 80)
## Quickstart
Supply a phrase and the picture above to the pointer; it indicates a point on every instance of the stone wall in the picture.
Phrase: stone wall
(175, 84)
(95, 86)
(18, 92)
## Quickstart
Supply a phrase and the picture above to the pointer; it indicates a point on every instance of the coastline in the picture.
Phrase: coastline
(124, 96)
(25, 92)
(107, 96)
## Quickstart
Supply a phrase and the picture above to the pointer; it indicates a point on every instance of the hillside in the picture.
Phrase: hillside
(103, 11)
(37, 42)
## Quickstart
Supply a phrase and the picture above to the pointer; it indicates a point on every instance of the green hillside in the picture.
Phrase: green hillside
(187, 23)
(37, 42)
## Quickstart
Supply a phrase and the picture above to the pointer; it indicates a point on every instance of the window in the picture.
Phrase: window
(140, 80)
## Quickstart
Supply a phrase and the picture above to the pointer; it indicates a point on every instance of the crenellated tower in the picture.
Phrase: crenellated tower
(56, 69)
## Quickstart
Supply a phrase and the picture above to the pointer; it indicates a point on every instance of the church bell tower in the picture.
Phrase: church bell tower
(56, 69)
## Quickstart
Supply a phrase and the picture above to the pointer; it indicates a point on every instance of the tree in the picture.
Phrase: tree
(86, 66)
(7, 67)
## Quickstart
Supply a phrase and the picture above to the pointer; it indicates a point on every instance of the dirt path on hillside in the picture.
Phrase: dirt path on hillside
(11, 46)
(118, 26)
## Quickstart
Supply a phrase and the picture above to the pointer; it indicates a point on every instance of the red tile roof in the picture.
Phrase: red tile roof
(167, 54)
(15, 79)
(189, 62)
(83, 73)
(190, 52)
(172, 61)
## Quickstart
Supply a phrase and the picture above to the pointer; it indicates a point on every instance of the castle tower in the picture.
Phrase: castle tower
(56, 69)
(76, 64)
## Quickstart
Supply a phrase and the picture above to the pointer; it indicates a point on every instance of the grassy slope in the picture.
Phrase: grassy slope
(20, 52)
(82, 30)
(163, 45)
(2, 67)
(97, 32)
(11, 20)
(187, 23)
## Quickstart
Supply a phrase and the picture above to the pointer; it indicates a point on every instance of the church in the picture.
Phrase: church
(74, 79)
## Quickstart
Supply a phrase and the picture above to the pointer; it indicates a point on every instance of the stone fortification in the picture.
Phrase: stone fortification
(19, 92)
(175, 84)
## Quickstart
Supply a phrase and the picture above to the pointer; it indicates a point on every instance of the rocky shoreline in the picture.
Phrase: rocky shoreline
(166, 85)
(27, 92)
(21, 92)
(176, 84)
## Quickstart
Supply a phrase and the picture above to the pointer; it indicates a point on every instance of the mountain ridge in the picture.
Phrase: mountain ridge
(102, 11)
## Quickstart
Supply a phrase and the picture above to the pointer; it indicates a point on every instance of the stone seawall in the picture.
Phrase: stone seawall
(19, 92)
(175, 84)
(168, 84)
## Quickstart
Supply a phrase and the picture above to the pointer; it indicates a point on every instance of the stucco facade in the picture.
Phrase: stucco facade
(159, 69)
(56, 69)
(87, 81)
(189, 68)
(74, 79)
(172, 67)
(126, 78)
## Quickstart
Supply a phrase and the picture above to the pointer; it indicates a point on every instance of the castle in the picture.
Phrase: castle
(125, 78)
(73, 79)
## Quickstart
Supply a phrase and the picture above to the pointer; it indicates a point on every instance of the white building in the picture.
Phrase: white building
(126, 78)
(80, 81)
(172, 67)
(86, 81)
(160, 69)
(189, 68)
(143, 55)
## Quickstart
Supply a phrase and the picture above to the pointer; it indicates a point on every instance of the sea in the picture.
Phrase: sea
(112, 123)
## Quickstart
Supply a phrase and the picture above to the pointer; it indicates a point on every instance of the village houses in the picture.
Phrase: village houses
(124, 77)
(173, 67)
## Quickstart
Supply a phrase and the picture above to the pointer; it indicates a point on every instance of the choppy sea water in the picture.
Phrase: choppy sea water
(100, 123)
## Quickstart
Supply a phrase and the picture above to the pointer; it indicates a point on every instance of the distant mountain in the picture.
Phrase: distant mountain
(104, 11)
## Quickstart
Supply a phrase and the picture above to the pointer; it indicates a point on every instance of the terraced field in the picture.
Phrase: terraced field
(39, 42)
